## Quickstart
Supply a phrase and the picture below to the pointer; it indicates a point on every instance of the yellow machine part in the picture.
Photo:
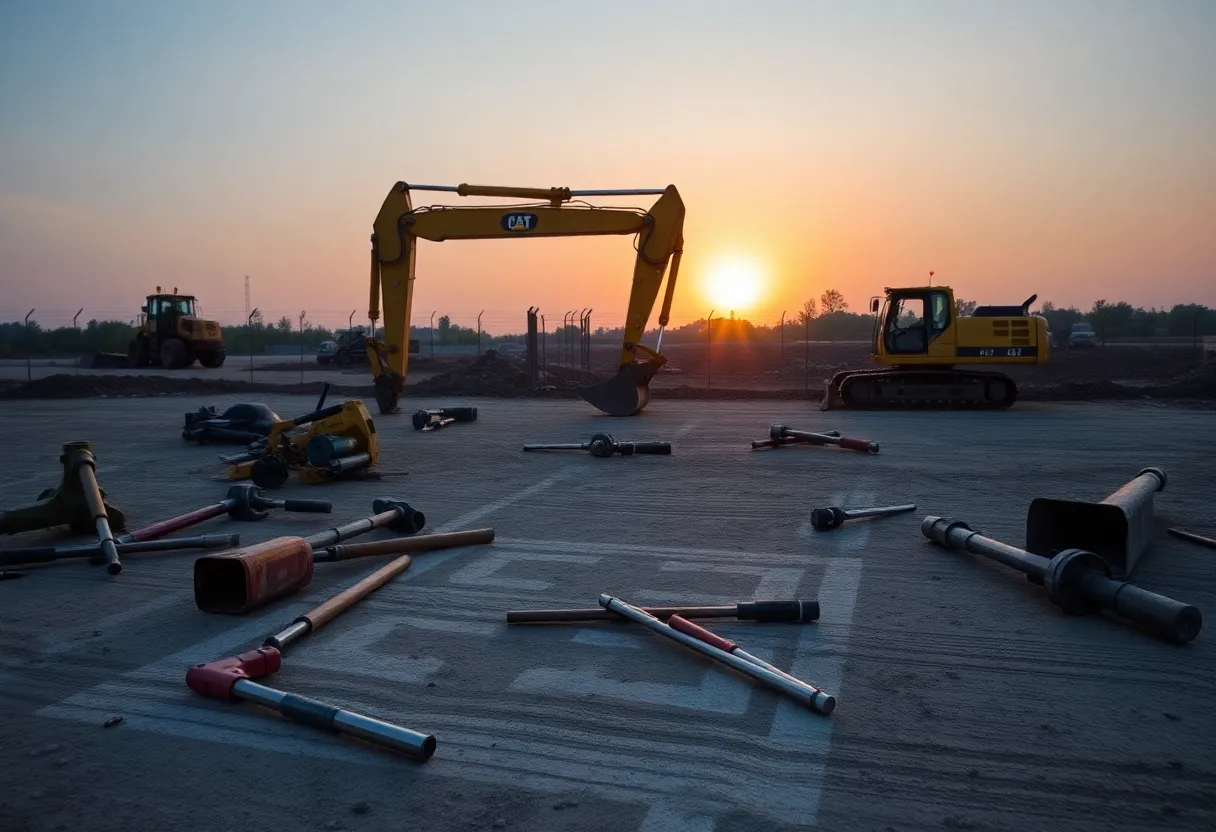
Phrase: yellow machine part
(289, 438)
(920, 339)
(399, 226)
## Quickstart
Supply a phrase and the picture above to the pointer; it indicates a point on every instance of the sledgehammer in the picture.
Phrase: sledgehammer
(232, 678)
(863, 445)
(240, 580)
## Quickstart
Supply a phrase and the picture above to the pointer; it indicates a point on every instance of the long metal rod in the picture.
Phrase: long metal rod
(452, 189)
(799, 692)
(798, 611)
(340, 721)
(46, 554)
(1193, 538)
(853, 513)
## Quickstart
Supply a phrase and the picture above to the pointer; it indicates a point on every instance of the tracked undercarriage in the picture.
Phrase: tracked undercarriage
(939, 388)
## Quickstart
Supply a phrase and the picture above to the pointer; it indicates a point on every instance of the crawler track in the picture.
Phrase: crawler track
(919, 389)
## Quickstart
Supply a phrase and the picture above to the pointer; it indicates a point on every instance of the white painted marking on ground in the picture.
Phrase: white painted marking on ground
(450, 625)
(349, 652)
(667, 817)
(57, 644)
(717, 693)
(482, 572)
(606, 638)
(687, 429)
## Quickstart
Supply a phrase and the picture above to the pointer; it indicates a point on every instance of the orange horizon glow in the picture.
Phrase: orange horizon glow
(194, 145)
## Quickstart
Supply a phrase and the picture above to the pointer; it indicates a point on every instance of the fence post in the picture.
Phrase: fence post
(29, 373)
(249, 329)
(479, 314)
(781, 358)
(432, 335)
(806, 356)
(709, 347)
(301, 346)
(79, 341)
(544, 347)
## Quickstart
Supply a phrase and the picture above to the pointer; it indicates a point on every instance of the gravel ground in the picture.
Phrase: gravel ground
(966, 700)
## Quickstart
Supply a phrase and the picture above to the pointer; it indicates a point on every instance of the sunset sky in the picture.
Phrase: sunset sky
(1064, 148)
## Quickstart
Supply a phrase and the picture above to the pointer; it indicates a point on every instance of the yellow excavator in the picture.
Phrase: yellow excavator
(919, 337)
(554, 212)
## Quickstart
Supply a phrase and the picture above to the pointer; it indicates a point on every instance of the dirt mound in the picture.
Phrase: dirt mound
(494, 375)
(64, 386)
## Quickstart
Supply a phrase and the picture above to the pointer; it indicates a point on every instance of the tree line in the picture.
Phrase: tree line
(826, 318)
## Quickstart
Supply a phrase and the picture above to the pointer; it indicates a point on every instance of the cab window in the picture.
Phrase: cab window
(941, 314)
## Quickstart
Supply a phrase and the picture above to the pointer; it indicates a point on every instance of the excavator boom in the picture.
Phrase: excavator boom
(399, 226)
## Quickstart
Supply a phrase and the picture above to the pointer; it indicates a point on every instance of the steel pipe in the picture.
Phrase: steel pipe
(799, 691)
(1077, 581)
(794, 611)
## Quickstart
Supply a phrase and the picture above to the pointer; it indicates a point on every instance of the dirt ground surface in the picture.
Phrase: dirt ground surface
(967, 701)
(733, 371)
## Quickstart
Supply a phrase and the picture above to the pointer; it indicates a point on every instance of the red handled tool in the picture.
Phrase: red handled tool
(863, 445)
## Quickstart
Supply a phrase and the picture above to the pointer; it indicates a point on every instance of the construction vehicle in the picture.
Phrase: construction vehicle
(346, 348)
(561, 213)
(173, 336)
(919, 337)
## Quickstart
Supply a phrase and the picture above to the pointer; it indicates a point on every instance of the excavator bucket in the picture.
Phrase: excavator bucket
(625, 394)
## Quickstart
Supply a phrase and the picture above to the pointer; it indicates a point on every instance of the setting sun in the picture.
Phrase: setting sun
(734, 284)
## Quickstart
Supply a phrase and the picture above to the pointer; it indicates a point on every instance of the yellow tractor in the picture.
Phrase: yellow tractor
(920, 337)
(172, 335)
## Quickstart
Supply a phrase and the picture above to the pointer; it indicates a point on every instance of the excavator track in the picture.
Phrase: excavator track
(919, 389)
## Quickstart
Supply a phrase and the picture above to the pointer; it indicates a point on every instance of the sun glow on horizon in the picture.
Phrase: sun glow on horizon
(734, 283)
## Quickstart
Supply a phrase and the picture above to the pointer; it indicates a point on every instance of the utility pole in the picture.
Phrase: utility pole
(246, 297)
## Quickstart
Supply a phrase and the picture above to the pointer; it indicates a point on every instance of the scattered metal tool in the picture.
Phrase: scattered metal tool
(1193, 538)
(603, 445)
(243, 423)
(833, 517)
(678, 622)
(797, 690)
(243, 502)
(243, 579)
(125, 543)
(67, 504)
(428, 419)
(315, 619)
(863, 445)
(1077, 581)
(232, 679)
(1118, 529)
(786, 441)
(791, 611)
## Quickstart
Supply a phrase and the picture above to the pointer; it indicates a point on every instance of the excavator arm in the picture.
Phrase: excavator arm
(399, 226)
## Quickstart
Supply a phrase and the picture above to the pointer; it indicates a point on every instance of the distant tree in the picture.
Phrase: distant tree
(284, 324)
(963, 308)
(808, 310)
(832, 302)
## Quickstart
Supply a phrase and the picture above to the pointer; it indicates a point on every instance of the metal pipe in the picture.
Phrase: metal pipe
(619, 192)
(1077, 581)
(1193, 538)
(833, 517)
(800, 611)
(824, 703)
(350, 463)
(340, 721)
(798, 691)
(357, 527)
(105, 537)
(46, 554)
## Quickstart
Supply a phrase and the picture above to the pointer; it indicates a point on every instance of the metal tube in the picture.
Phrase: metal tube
(797, 611)
(658, 344)
(105, 537)
(445, 188)
(620, 192)
(352, 529)
(798, 691)
(569, 446)
(1193, 538)
(46, 554)
(340, 721)
(350, 463)
(957, 535)
(852, 513)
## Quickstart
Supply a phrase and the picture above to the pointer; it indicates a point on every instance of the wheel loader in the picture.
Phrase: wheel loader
(172, 335)
(919, 337)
